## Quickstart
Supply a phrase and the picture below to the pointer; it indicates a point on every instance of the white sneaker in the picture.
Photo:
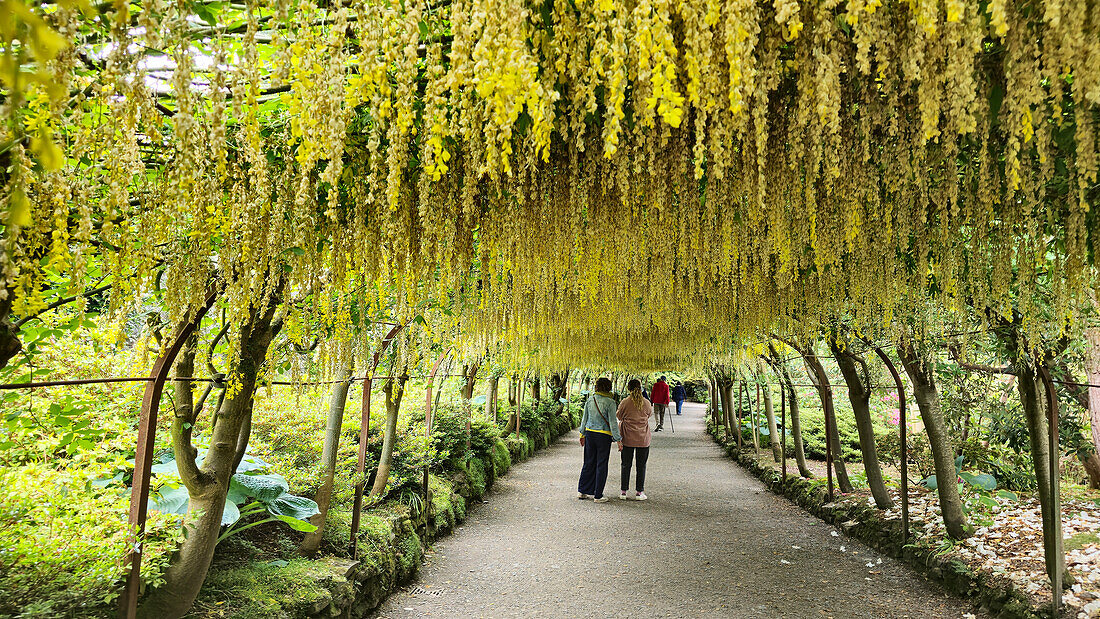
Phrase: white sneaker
(582, 496)
(602, 499)
(622, 495)
(640, 496)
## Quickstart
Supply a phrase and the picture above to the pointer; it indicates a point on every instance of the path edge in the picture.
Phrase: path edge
(995, 594)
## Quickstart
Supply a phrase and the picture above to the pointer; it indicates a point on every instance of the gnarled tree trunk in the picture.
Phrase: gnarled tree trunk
(859, 393)
(919, 369)
(208, 485)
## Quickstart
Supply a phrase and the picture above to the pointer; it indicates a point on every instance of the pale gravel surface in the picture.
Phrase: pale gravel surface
(709, 543)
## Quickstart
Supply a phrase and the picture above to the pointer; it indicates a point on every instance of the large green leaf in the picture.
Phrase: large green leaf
(930, 482)
(176, 501)
(166, 468)
(264, 488)
(984, 481)
(293, 506)
(169, 500)
(230, 513)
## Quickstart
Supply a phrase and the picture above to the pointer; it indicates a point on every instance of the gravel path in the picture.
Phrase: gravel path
(710, 541)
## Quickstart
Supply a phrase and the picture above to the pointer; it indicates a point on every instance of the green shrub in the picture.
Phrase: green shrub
(63, 541)
(813, 432)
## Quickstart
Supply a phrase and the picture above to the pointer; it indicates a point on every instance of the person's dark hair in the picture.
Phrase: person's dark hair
(603, 384)
(662, 378)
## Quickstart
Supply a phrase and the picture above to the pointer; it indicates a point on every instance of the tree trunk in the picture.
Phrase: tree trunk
(393, 407)
(715, 404)
(208, 485)
(469, 373)
(1034, 402)
(792, 408)
(559, 382)
(773, 430)
(1092, 374)
(491, 399)
(859, 393)
(943, 455)
(727, 407)
(9, 334)
(754, 416)
(825, 392)
(536, 389)
(740, 411)
(337, 400)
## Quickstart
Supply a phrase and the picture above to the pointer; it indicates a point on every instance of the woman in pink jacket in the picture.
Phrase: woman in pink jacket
(633, 415)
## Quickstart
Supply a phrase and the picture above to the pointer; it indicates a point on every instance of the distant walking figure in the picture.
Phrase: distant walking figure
(679, 394)
(633, 414)
(597, 433)
(659, 397)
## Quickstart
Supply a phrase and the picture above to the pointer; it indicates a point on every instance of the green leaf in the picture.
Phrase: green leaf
(230, 514)
(176, 501)
(251, 463)
(205, 13)
(169, 500)
(930, 482)
(264, 488)
(959, 464)
(983, 481)
(296, 524)
(293, 506)
(1007, 494)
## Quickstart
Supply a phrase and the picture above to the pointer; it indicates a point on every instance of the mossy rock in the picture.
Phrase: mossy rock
(476, 477)
(295, 588)
(410, 552)
(502, 458)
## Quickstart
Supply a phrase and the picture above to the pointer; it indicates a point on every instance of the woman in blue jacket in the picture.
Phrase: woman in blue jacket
(597, 433)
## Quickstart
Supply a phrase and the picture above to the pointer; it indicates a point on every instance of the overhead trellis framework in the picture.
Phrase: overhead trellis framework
(626, 183)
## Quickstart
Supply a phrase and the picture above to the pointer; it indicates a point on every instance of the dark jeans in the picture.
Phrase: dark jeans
(641, 454)
(597, 450)
(679, 406)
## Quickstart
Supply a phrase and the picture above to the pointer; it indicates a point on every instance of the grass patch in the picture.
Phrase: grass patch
(1080, 540)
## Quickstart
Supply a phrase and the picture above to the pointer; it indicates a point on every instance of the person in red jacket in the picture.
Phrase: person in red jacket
(659, 395)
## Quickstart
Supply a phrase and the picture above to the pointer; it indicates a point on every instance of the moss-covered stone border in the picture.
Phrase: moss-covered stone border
(996, 594)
